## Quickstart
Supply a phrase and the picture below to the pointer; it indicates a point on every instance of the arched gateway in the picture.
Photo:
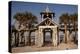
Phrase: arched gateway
(46, 26)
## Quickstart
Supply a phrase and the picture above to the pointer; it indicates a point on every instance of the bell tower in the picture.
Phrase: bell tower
(47, 14)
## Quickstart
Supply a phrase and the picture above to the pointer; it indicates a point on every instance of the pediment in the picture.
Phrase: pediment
(46, 22)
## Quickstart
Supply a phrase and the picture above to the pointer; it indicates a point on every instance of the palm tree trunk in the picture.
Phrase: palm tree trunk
(65, 37)
(15, 38)
(29, 38)
(75, 32)
(70, 31)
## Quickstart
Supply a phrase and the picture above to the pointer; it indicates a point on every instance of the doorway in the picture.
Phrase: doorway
(47, 37)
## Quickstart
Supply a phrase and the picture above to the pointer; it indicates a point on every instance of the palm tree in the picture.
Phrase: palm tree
(64, 19)
(27, 19)
(20, 17)
(31, 20)
(74, 19)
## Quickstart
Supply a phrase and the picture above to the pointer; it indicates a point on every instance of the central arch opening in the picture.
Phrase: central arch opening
(47, 37)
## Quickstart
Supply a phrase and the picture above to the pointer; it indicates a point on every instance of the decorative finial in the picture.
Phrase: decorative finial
(47, 9)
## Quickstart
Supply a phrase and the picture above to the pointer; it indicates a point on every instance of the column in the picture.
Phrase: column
(54, 36)
(59, 37)
(36, 37)
(42, 17)
(52, 17)
(40, 38)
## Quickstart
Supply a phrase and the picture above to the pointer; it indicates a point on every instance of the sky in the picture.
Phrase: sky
(36, 8)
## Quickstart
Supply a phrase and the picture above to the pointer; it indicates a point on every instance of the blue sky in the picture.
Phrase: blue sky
(36, 8)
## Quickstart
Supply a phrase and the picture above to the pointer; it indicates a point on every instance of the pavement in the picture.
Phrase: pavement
(61, 46)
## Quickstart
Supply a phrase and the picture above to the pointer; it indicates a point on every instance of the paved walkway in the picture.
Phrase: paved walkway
(61, 46)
